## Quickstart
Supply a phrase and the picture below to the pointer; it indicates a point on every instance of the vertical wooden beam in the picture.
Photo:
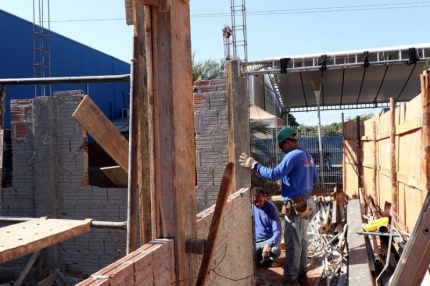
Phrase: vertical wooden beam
(142, 30)
(343, 155)
(425, 139)
(173, 118)
(239, 139)
(394, 189)
(375, 164)
(359, 155)
(132, 198)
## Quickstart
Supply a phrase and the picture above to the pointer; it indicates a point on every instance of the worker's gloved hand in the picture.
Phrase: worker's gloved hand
(266, 252)
(246, 161)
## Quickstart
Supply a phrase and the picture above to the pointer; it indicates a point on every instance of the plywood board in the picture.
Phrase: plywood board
(117, 175)
(414, 108)
(414, 202)
(24, 238)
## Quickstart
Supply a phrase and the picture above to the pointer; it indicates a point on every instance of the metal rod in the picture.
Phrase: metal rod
(75, 79)
(94, 223)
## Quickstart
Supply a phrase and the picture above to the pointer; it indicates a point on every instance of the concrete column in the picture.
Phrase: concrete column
(45, 159)
(239, 138)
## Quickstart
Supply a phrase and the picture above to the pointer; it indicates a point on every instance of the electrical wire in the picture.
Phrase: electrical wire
(333, 9)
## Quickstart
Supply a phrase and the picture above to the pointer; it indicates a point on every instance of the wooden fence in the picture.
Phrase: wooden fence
(388, 156)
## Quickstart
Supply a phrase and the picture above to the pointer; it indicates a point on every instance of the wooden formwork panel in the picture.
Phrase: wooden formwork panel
(350, 130)
(414, 202)
(351, 180)
(409, 159)
(385, 188)
(413, 109)
(368, 158)
(384, 155)
(350, 152)
(368, 181)
(384, 123)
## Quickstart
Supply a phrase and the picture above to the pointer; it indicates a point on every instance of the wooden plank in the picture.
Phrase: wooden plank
(375, 163)
(415, 260)
(238, 125)
(117, 175)
(394, 187)
(383, 135)
(425, 139)
(92, 119)
(133, 171)
(24, 238)
(358, 272)
(224, 191)
(129, 14)
(173, 131)
(148, 214)
(409, 126)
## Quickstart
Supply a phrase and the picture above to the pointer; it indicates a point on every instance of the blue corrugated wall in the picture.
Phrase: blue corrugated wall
(68, 58)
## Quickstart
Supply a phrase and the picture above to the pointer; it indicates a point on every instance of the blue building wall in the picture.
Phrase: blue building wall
(68, 58)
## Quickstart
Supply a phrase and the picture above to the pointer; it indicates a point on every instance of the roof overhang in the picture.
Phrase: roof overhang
(351, 79)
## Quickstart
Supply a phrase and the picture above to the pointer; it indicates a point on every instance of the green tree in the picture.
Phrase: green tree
(258, 126)
(206, 70)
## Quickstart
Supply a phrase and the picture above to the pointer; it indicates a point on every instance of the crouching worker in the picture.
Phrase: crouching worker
(267, 228)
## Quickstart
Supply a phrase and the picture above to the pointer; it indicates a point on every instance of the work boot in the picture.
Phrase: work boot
(295, 282)
(303, 279)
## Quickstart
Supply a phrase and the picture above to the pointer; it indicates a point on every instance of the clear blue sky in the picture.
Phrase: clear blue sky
(275, 28)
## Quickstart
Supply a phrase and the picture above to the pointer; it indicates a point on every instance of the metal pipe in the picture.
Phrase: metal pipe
(74, 79)
(94, 223)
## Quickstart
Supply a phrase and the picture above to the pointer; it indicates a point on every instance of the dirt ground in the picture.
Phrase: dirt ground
(272, 276)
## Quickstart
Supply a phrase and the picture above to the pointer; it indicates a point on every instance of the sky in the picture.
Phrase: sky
(275, 28)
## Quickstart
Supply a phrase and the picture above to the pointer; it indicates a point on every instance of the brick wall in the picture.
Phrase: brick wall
(50, 177)
(211, 126)
(152, 264)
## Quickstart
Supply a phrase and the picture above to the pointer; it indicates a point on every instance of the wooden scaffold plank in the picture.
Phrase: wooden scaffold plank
(24, 238)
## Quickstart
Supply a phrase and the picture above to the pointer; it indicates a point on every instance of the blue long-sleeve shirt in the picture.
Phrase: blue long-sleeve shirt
(267, 223)
(298, 173)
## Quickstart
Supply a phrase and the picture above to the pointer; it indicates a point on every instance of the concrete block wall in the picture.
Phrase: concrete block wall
(211, 127)
(50, 177)
(153, 263)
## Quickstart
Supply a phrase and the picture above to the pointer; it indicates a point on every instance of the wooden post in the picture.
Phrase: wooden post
(375, 164)
(132, 198)
(394, 189)
(143, 31)
(414, 262)
(239, 139)
(173, 127)
(425, 139)
(359, 154)
(224, 190)
(343, 154)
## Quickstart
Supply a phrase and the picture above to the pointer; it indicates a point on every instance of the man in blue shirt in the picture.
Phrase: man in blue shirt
(298, 173)
(267, 228)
